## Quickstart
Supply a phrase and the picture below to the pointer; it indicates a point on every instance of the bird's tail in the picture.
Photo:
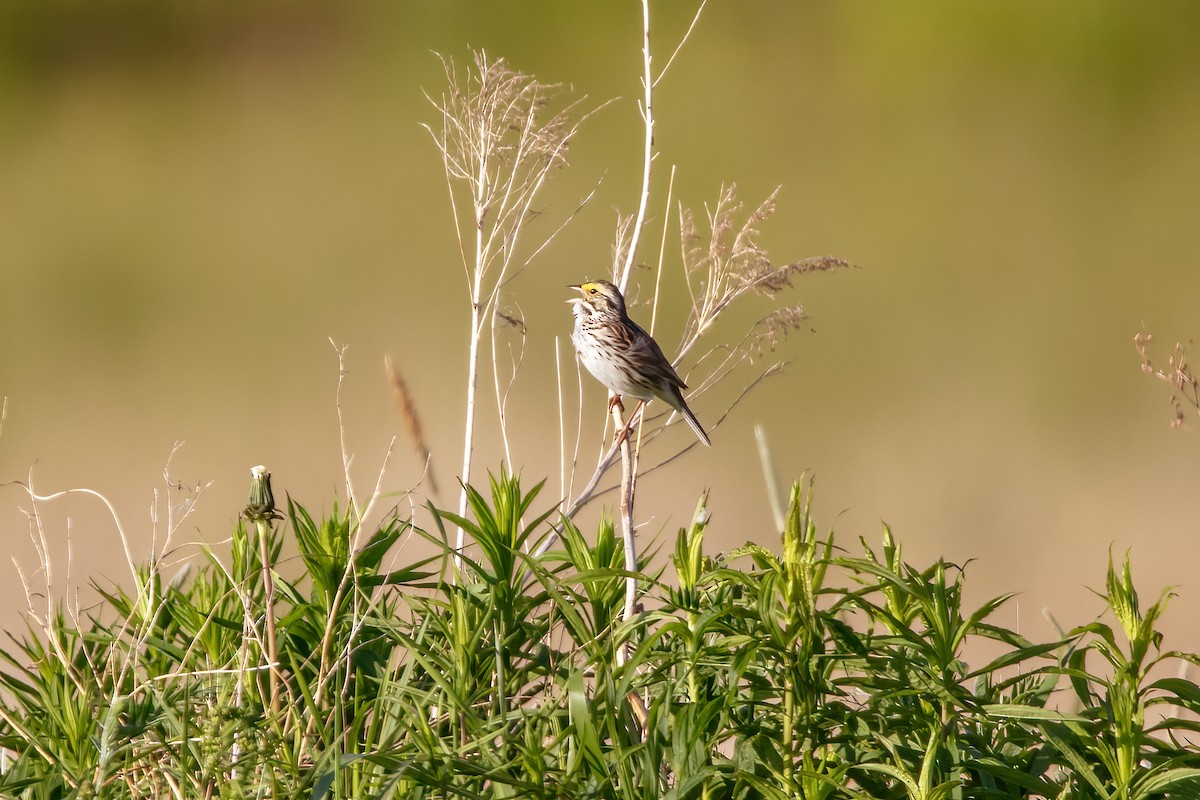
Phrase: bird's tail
(686, 413)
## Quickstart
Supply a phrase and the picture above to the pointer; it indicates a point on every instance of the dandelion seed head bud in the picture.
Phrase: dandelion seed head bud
(261, 503)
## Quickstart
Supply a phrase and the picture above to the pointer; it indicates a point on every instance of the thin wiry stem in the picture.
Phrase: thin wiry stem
(679, 47)
(562, 427)
(767, 373)
(347, 456)
(588, 492)
(770, 479)
(662, 250)
(378, 491)
(358, 511)
(112, 511)
(587, 198)
(578, 425)
(569, 471)
(503, 388)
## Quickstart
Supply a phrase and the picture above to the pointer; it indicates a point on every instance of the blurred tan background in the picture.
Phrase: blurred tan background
(195, 196)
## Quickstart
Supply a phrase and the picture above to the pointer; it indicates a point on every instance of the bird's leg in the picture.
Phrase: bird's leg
(623, 434)
(614, 401)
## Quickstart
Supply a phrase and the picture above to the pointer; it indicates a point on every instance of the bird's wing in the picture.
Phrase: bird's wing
(645, 342)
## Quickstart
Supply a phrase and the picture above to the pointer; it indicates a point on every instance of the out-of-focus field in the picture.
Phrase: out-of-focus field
(193, 199)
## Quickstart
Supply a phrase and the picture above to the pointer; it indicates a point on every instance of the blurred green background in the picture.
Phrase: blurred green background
(194, 196)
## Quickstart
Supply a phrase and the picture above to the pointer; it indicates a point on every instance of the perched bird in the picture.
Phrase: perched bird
(621, 355)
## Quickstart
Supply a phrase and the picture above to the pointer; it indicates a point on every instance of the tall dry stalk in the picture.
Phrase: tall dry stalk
(621, 274)
(628, 465)
(499, 144)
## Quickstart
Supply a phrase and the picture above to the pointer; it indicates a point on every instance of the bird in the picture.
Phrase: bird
(621, 355)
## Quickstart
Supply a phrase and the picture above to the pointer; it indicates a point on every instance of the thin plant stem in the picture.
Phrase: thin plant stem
(263, 528)
(647, 152)
(769, 477)
(683, 40)
(472, 380)
(501, 395)
(347, 456)
(628, 460)
(628, 488)
(562, 427)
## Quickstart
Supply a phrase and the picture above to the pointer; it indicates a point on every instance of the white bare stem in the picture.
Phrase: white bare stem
(628, 456)
(469, 432)
(647, 151)
(628, 489)
(628, 459)
(588, 492)
(479, 198)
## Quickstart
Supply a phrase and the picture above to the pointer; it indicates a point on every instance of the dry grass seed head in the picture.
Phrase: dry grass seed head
(733, 258)
(775, 327)
(1185, 387)
(495, 133)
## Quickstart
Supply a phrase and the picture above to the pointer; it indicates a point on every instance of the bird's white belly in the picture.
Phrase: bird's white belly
(605, 371)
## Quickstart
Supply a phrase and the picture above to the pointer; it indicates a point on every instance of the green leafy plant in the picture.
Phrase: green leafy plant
(798, 673)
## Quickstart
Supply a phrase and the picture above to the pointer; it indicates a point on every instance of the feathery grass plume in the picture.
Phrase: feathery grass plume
(412, 422)
(1185, 387)
(730, 262)
(500, 142)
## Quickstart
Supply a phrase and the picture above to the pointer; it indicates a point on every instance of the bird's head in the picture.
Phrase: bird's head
(597, 297)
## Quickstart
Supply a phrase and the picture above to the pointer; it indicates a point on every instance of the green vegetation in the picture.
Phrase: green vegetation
(808, 673)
